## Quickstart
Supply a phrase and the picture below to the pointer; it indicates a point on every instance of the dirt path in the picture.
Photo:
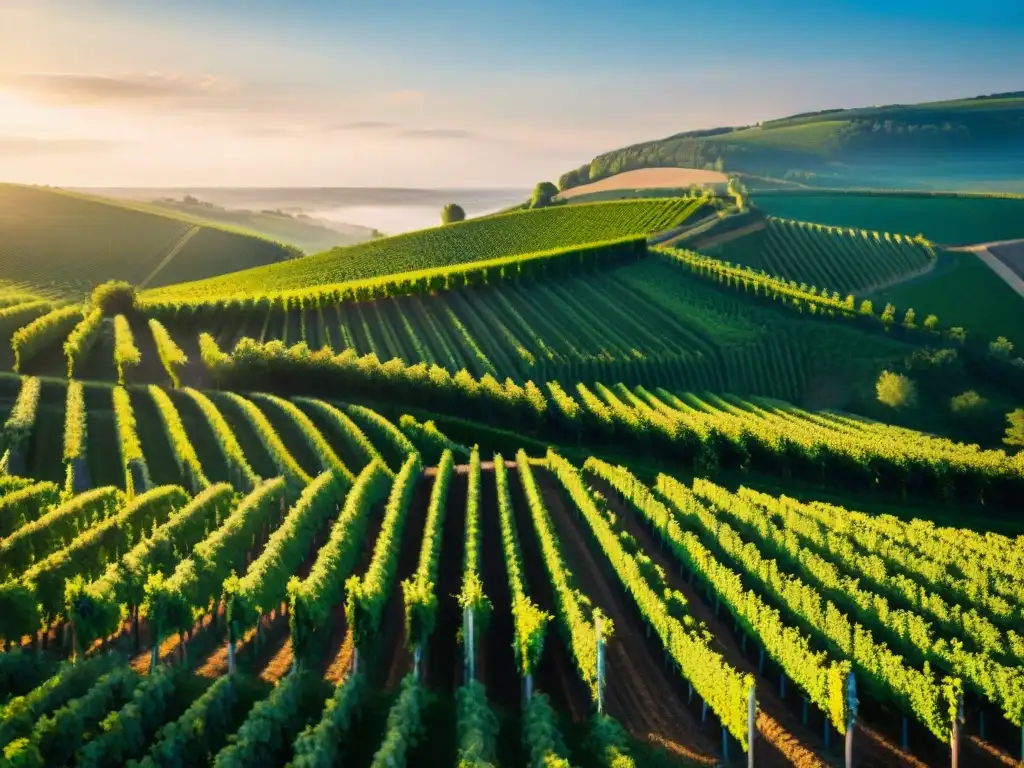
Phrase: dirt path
(725, 237)
(444, 658)
(1003, 270)
(176, 248)
(778, 722)
(647, 178)
(638, 693)
(396, 659)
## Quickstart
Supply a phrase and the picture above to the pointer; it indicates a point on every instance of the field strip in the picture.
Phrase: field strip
(1008, 276)
(170, 255)
(726, 237)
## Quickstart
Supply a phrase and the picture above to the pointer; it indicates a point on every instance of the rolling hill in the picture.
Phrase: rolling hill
(975, 143)
(460, 243)
(63, 244)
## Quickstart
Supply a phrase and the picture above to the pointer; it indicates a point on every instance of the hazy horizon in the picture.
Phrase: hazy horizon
(110, 93)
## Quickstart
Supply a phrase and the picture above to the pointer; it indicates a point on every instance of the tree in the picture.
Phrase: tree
(889, 314)
(1001, 348)
(896, 390)
(1015, 432)
(543, 194)
(967, 403)
(114, 297)
(908, 320)
(931, 322)
(451, 213)
(867, 308)
(957, 334)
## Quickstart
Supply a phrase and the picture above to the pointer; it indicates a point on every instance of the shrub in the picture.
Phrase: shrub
(896, 390)
(114, 297)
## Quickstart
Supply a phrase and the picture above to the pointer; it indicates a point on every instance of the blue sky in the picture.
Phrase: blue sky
(448, 92)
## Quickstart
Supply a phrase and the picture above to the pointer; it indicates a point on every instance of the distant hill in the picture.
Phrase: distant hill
(61, 244)
(308, 233)
(974, 143)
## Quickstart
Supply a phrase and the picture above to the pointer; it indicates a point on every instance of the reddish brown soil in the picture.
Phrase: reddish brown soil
(638, 692)
(778, 720)
(443, 666)
(496, 667)
(557, 674)
(395, 659)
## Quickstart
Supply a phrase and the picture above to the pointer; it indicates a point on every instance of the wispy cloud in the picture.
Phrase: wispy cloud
(95, 89)
(362, 125)
(24, 145)
(437, 133)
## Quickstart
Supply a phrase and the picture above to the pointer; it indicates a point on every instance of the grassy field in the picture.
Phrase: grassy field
(964, 291)
(474, 240)
(947, 220)
(843, 260)
(62, 245)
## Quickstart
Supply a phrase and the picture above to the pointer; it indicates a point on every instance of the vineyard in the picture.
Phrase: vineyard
(948, 219)
(316, 574)
(63, 245)
(488, 238)
(526, 490)
(846, 260)
(643, 321)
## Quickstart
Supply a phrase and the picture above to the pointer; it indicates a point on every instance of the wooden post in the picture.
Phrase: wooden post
(704, 712)
(725, 744)
(851, 717)
(958, 717)
(751, 725)
(231, 654)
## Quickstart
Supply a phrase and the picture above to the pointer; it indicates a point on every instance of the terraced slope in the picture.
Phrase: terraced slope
(830, 258)
(475, 240)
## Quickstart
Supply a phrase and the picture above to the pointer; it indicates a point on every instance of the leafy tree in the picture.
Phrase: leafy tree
(1015, 432)
(889, 314)
(1001, 348)
(908, 319)
(896, 390)
(931, 322)
(574, 178)
(867, 308)
(452, 212)
(957, 334)
(114, 297)
(543, 194)
(967, 403)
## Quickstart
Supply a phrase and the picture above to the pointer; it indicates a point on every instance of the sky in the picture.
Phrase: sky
(449, 93)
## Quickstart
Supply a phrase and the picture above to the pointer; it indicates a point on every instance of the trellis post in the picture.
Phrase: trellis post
(851, 716)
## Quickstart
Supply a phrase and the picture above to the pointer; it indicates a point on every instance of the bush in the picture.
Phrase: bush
(543, 194)
(896, 390)
(967, 403)
(1015, 432)
(451, 213)
(114, 297)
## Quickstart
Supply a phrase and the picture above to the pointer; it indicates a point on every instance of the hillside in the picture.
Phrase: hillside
(63, 244)
(306, 233)
(365, 501)
(945, 219)
(963, 144)
(844, 260)
(461, 243)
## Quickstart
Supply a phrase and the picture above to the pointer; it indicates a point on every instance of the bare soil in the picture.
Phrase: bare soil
(779, 721)
(638, 694)
(648, 178)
